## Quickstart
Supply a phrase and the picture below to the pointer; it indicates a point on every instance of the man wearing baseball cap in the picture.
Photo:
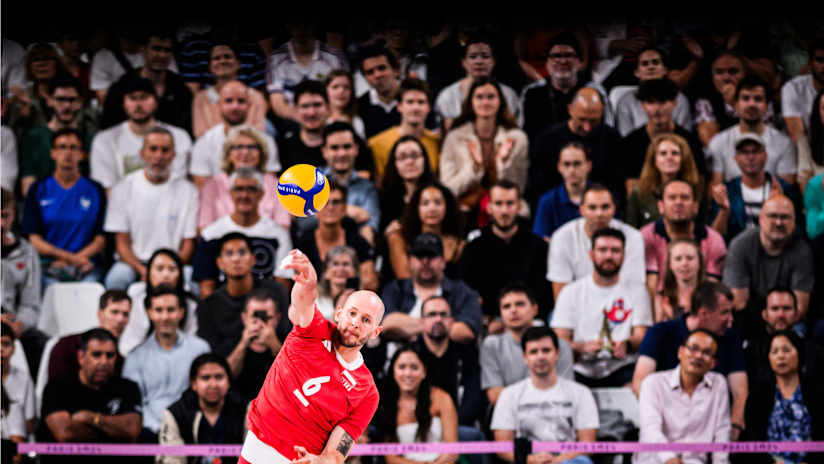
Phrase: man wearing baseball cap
(737, 202)
(752, 104)
(403, 298)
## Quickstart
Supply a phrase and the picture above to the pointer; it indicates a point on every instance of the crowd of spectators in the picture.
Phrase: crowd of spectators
(547, 211)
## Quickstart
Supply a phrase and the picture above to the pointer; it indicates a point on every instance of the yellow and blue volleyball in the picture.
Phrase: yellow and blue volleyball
(303, 190)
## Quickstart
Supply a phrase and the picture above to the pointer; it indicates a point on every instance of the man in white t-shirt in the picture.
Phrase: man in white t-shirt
(544, 406)
(149, 209)
(270, 242)
(751, 101)
(207, 152)
(797, 94)
(116, 152)
(570, 244)
(602, 318)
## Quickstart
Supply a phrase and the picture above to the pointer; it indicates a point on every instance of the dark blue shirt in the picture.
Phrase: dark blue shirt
(66, 218)
(554, 210)
(663, 339)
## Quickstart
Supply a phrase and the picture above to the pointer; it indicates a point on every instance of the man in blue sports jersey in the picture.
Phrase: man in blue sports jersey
(63, 215)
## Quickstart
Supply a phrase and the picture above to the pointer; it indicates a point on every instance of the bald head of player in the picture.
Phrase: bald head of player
(359, 319)
(585, 112)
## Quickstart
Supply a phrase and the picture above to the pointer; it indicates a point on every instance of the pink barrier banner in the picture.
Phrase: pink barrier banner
(480, 447)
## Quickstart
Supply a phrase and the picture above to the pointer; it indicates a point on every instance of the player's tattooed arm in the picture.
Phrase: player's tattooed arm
(337, 448)
(345, 444)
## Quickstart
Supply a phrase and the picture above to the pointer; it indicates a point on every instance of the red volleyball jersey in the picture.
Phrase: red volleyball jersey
(309, 390)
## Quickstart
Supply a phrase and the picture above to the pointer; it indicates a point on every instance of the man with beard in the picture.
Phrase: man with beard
(517, 254)
(546, 103)
(602, 318)
(207, 153)
(569, 249)
(686, 404)
(452, 367)
(174, 99)
(798, 94)
(206, 413)
(737, 202)
(91, 405)
(270, 241)
(403, 298)
(318, 396)
(155, 365)
(584, 126)
(502, 358)
(545, 406)
(710, 310)
(66, 102)
(115, 151)
(149, 209)
(312, 111)
(751, 100)
(769, 256)
(678, 208)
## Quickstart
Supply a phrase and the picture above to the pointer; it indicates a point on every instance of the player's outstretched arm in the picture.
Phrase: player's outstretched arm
(305, 290)
(335, 452)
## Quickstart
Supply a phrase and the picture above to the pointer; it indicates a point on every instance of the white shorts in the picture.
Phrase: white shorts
(257, 452)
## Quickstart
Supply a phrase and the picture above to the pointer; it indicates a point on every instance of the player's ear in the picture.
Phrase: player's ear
(378, 331)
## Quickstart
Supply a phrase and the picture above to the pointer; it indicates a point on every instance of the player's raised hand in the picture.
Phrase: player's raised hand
(305, 290)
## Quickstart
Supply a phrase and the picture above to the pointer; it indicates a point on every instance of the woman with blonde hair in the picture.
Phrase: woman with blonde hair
(668, 157)
(245, 146)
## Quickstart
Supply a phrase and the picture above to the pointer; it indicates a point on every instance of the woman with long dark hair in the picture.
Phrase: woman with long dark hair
(811, 149)
(788, 406)
(484, 145)
(343, 105)
(406, 169)
(433, 209)
(411, 410)
(164, 268)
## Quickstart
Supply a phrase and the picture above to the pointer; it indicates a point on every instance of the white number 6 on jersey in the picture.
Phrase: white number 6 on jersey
(310, 387)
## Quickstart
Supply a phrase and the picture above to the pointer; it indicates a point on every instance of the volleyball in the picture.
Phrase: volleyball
(303, 190)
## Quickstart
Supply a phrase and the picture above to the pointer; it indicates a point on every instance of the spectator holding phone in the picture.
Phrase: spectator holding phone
(259, 342)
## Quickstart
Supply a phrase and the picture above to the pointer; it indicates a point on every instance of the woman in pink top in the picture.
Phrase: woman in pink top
(245, 146)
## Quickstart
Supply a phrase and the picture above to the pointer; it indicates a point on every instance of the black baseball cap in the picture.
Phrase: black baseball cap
(427, 245)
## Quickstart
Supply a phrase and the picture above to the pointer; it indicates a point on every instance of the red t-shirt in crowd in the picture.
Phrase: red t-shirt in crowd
(310, 390)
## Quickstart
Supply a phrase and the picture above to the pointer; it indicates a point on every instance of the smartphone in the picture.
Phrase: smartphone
(353, 282)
